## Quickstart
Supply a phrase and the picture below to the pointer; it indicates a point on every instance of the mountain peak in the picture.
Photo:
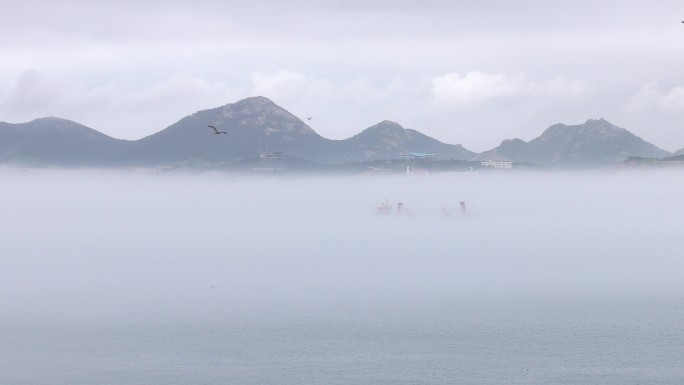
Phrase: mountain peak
(258, 107)
(51, 125)
(255, 100)
(601, 124)
(600, 127)
(594, 120)
(387, 127)
(254, 125)
(596, 142)
(52, 121)
(389, 139)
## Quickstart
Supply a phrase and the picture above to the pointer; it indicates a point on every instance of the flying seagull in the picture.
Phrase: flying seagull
(217, 131)
(309, 118)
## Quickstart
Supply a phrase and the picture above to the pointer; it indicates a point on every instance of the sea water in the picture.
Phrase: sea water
(121, 277)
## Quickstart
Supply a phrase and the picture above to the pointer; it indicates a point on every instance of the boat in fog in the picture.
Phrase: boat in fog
(384, 207)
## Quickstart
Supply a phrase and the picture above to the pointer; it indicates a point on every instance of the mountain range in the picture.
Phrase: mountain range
(595, 143)
(256, 125)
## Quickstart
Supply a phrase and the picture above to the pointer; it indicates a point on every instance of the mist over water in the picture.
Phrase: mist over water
(118, 277)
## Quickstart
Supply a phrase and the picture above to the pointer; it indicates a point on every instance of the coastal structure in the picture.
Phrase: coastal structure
(271, 161)
(497, 163)
(411, 157)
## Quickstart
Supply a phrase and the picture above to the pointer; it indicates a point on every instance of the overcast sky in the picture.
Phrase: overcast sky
(469, 72)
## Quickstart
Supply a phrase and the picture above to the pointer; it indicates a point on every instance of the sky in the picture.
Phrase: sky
(468, 72)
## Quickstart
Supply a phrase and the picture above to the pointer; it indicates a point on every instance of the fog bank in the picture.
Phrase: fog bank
(108, 246)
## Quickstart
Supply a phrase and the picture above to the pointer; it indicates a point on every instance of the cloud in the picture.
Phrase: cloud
(115, 107)
(673, 100)
(564, 87)
(475, 87)
(646, 97)
(651, 112)
(293, 86)
(264, 82)
(342, 107)
(651, 97)
(34, 92)
(182, 88)
(478, 87)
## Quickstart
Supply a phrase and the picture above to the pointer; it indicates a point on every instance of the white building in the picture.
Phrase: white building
(498, 163)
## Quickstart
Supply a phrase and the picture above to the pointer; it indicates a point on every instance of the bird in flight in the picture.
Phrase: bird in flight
(309, 118)
(217, 131)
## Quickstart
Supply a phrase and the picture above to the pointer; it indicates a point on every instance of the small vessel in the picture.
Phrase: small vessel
(384, 208)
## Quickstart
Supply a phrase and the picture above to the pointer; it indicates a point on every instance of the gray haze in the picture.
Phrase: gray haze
(462, 72)
(98, 268)
(139, 239)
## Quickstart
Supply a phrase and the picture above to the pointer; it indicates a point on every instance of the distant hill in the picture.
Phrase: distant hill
(386, 140)
(675, 158)
(57, 142)
(256, 125)
(596, 143)
(253, 125)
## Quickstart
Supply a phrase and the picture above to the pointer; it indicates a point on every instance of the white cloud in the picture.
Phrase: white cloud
(652, 98)
(475, 87)
(651, 112)
(182, 88)
(565, 87)
(646, 97)
(266, 82)
(478, 87)
(673, 101)
(34, 92)
(342, 108)
(122, 110)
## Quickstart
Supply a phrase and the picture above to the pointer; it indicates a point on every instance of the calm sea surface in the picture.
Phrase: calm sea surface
(137, 278)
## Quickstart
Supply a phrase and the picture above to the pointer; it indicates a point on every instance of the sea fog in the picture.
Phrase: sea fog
(122, 277)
